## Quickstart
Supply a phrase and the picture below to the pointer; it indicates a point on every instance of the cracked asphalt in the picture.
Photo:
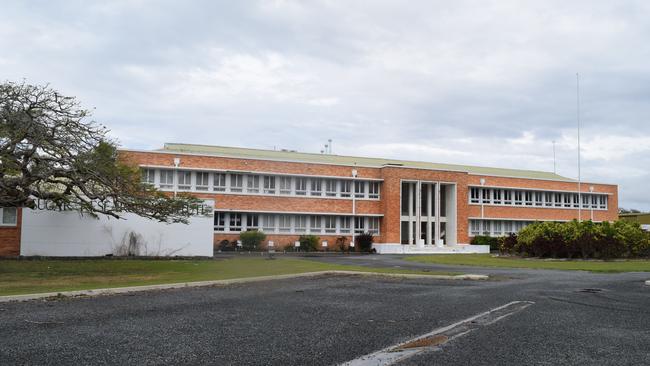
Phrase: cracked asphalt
(334, 319)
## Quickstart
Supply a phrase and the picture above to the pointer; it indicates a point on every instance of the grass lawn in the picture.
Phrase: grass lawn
(487, 260)
(35, 276)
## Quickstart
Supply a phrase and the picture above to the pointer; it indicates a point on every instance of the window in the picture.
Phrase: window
(585, 201)
(359, 189)
(315, 224)
(268, 223)
(346, 188)
(528, 198)
(549, 199)
(236, 182)
(486, 228)
(475, 227)
(316, 187)
(9, 216)
(507, 197)
(507, 227)
(345, 225)
(184, 180)
(219, 221)
(253, 184)
(602, 202)
(285, 185)
(496, 228)
(202, 181)
(301, 223)
(496, 196)
(558, 200)
(576, 200)
(269, 184)
(474, 195)
(330, 187)
(301, 186)
(539, 197)
(373, 225)
(518, 198)
(148, 176)
(167, 179)
(330, 224)
(594, 201)
(235, 221)
(219, 183)
(485, 193)
(373, 190)
(285, 223)
(567, 200)
(252, 221)
(359, 225)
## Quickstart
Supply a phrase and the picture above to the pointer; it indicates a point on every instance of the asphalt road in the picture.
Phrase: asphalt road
(331, 320)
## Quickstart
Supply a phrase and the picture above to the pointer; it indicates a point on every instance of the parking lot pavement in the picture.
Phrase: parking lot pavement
(576, 318)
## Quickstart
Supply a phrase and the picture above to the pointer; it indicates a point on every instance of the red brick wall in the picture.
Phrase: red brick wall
(389, 205)
(10, 238)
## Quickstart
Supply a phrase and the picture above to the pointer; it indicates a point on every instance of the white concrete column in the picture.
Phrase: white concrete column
(410, 185)
(437, 236)
(429, 214)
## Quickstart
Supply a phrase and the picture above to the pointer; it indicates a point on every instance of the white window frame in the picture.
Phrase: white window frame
(202, 181)
(252, 183)
(269, 184)
(236, 183)
(148, 176)
(184, 180)
(167, 179)
(301, 186)
(373, 190)
(285, 185)
(219, 182)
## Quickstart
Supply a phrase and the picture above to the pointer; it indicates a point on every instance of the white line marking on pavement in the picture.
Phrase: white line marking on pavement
(434, 339)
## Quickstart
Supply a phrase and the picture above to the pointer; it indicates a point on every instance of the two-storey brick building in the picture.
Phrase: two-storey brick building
(405, 204)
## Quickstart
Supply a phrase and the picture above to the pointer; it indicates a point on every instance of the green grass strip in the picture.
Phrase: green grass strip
(487, 260)
(38, 276)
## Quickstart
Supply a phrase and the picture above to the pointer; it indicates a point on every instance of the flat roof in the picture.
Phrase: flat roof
(293, 156)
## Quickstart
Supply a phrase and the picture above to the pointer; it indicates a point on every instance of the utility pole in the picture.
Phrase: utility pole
(579, 171)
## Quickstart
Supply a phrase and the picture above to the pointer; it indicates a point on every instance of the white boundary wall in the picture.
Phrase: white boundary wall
(55, 233)
(430, 249)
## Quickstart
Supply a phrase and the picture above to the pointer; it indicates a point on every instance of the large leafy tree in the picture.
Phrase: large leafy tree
(52, 155)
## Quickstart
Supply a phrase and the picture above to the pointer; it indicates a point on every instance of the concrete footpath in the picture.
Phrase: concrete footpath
(166, 286)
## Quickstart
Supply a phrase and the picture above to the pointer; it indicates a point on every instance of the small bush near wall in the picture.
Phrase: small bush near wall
(580, 240)
(252, 240)
(493, 242)
(507, 243)
(363, 242)
(342, 243)
(309, 243)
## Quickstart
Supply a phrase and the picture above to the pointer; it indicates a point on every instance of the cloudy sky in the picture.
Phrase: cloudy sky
(473, 82)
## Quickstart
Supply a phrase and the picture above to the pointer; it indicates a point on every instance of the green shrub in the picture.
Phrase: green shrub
(309, 243)
(363, 242)
(252, 240)
(581, 240)
(507, 243)
(493, 242)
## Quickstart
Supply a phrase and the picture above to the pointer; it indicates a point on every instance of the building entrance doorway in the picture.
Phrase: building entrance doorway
(428, 213)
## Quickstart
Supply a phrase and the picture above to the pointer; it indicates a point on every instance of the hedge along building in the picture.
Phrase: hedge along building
(409, 206)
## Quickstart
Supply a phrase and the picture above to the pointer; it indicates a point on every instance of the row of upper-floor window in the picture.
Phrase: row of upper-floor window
(276, 223)
(8, 216)
(496, 227)
(558, 199)
(265, 184)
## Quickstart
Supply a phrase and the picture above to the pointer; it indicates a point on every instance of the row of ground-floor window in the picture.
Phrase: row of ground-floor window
(277, 223)
(496, 227)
